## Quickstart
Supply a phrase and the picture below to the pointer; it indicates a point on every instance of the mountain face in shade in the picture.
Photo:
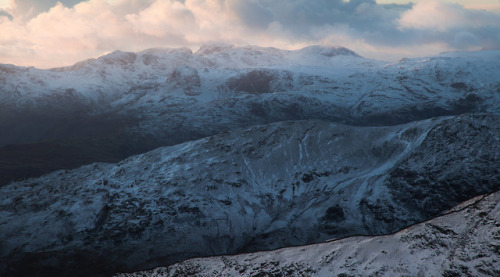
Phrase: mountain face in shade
(463, 242)
(257, 188)
(106, 109)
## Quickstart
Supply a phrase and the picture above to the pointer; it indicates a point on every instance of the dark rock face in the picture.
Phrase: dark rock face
(186, 78)
(332, 220)
(449, 167)
(261, 81)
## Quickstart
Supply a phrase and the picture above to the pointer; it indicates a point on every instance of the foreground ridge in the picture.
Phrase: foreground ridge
(463, 242)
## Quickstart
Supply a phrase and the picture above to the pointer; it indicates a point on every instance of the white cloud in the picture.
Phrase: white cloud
(27, 9)
(442, 16)
(162, 18)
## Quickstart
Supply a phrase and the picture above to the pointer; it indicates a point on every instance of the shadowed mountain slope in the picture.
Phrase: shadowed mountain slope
(260, 188)
(463, 242)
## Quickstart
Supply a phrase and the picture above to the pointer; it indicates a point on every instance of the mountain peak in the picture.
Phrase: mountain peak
(213, 48)
(328, 51)
(161, 51)
(119, 57)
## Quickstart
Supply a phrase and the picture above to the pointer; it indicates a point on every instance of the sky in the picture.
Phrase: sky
(52, 33)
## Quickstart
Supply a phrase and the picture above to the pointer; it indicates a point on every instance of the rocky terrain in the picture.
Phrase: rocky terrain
(146, 159)
(463, 242)
(259, 188)
(106, 109)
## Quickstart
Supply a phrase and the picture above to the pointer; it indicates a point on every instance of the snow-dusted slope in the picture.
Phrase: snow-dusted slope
(264, 187)
(135, 102)
(156, 87)
(111, 78)
(218, 73)
(464, 242)
(262, 83)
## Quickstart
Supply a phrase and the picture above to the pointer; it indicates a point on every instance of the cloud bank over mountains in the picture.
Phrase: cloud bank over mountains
(55, 33)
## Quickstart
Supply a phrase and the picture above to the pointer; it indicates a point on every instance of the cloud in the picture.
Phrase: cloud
(464, 40)
(452, 24)
(437, 15)
(162, 18)
(27, 9)
(55, 33)
(251, 14)
(4, 13)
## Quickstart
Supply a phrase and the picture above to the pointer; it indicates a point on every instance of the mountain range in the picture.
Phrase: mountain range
(138, 160)
(121, 104)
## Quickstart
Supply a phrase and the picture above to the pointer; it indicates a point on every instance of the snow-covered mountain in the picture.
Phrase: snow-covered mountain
(265, 84)
(257, 188)
(134, 102)
(463, 242)
(267, 148)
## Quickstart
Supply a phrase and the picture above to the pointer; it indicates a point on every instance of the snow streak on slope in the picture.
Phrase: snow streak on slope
(264, 187)
(464, 242)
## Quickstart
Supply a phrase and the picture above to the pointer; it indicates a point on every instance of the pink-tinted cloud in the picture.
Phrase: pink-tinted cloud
(50, 33)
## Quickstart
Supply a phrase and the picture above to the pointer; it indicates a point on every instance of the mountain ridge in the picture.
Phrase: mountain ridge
(165, 97)
(146, 159)
(256, 188)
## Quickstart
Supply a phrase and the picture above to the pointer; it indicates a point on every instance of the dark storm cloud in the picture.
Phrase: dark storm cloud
(298, 16)
(377, 24)
(252, 14)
